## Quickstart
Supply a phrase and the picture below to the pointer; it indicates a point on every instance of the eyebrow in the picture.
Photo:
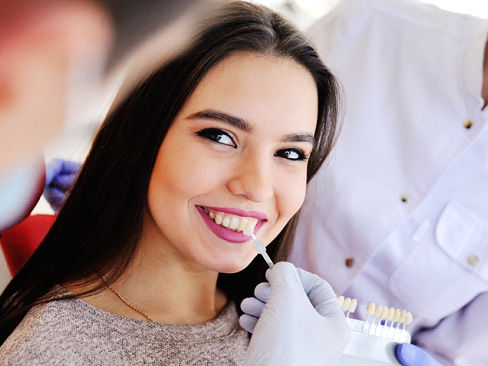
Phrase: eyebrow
(244, 126)
(223, 117)
(306, 137)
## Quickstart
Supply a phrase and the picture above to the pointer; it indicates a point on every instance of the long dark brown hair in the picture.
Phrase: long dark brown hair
(98, 229)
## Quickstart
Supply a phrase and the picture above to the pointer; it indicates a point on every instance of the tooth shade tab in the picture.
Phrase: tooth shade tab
(250, 225)
(347, 304)
(341, 300)
(371, 309)
(353, 306)
(378, 311)
(242, 224)
(396, 318)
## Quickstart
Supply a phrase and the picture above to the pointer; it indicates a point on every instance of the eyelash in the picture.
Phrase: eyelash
(214, 135)
(301, 155)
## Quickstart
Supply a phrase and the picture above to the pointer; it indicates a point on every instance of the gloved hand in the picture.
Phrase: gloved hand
(411, 355)
(60, 175)
(295, 320)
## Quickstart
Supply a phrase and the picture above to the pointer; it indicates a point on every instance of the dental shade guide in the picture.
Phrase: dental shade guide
(262, 250)
(373, 341)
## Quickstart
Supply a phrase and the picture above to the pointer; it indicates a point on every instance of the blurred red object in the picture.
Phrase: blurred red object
(19, 242)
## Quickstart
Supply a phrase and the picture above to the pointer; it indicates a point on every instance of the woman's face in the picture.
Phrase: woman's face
(233, 162)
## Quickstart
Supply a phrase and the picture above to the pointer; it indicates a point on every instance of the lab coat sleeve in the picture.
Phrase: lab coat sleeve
(461, 337)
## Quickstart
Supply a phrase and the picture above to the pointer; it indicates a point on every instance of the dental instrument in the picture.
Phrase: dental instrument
(373, 342)
(262, 250)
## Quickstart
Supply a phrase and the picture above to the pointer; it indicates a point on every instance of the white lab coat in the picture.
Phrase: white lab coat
(399, 214)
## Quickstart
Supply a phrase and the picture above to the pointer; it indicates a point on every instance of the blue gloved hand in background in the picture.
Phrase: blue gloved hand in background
(295, 319)
(60, 175)
(411, 355)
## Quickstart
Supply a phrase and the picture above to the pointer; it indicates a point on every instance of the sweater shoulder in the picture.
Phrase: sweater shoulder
(43, 337)
(73, 332)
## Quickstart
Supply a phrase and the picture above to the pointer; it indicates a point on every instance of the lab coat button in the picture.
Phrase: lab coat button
(349, 262)
(405, 197)
(473, 260)
(468, 123)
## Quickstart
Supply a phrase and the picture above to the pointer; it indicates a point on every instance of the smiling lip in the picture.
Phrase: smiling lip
(230, 235)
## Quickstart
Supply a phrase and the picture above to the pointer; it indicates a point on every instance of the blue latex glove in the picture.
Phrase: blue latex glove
(295, 319)
(411, 355)
(60, 175)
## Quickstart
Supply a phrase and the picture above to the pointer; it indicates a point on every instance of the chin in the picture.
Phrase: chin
(230, 266)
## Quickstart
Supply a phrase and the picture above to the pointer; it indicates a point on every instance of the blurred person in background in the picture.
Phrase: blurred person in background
(399, 215)
(55, 57)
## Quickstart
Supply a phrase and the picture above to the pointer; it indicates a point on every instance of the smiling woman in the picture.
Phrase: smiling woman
(216, 146)
(247, 125)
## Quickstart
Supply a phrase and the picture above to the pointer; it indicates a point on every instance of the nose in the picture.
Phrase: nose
(252, 178)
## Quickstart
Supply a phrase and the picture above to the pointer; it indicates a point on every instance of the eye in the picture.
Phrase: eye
(291, 154)
(217, 135)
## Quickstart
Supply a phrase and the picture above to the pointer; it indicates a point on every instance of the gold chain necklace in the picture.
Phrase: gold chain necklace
(133, 307)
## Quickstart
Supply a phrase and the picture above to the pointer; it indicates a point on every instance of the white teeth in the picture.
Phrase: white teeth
(242, 224)
(234, 223)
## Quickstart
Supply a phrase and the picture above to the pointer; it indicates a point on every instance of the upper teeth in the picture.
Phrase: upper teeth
(233, 222)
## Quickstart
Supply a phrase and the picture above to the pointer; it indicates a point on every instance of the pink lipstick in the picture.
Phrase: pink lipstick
(228, 234)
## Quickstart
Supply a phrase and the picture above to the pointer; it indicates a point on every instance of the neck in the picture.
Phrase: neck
(171, 292)
(168, 292)
(484, 89)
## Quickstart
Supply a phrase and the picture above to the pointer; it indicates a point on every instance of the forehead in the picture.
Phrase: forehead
(263, 90)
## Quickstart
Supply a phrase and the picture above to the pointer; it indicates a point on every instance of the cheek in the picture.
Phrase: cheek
(291, 193)
(184, 175)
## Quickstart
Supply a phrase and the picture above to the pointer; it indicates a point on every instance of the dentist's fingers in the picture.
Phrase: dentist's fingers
(411, 355)
(290, 330)
(320, 293)
(63, 182)
(248, 322)
(252, 306)
(55, 197)
(262, 291)
(60, 167)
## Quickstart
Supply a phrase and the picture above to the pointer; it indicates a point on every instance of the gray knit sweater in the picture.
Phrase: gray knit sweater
(72, 332)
